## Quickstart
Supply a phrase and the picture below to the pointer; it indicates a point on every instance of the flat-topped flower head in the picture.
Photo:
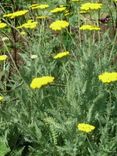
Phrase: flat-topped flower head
(39, 6)
(85, 127)
(61, 55)
(30, 24)
(91, 6)
(108, 77)
(58, 9)
(41, 81)
(2, 25)
(16, 14)
(3, 57)
(89, 27)
(59, 24)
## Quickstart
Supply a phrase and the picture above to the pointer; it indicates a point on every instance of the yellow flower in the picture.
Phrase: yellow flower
(41, 81)
(107, 77)
(61, 54)
(29, 24)
(39, 6)
(3, 57)
(89, 27)
(16, 14)
(90, 6)
(85, 127)
(1, 98)
(2, 25)
(58, 9)
(59, 24)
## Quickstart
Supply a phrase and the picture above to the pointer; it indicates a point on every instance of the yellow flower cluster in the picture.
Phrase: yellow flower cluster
(3, 57)
(29, 24)
(39, 6)
(61, 54)
(16, 14)
(107, 77)
(58, 9)
(41, 81)
(91, 6)
(59, 24)
(89, 27)
(2, 25)
(85, 127)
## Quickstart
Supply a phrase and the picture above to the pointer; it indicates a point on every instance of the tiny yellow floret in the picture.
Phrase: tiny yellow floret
(85, 127)
(59, 24)
(3, 57)
(108, 77)
(41, 81)
(61, 54)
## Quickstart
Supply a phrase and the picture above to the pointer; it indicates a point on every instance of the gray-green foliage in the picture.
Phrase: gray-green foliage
(44, 121)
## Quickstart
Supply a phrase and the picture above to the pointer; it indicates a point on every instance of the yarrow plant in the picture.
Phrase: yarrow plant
(58, 9)
(91, 6)
(39, 6)
(89, 27)
(41, 81)
(2, 25)
(108, 77)
(3, 57)
(85, 127)
(59, 25)
(50, 56)
(61, 55)
(29, 24)
(16, 14)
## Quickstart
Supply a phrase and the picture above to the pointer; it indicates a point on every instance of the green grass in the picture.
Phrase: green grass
(44, 121)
